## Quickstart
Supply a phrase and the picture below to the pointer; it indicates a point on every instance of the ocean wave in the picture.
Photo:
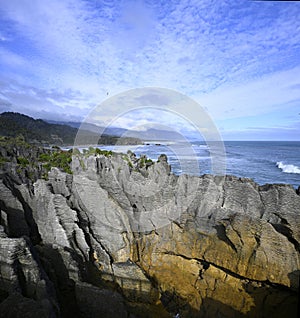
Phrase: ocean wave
(287, 168)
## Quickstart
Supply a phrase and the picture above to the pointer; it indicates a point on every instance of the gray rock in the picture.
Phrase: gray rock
(196, 243)
(133, 282)
(22, 274)
(12, 214)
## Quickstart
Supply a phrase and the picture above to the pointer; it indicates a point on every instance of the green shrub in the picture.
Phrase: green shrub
(75, 151)
(126, 158)
(44, 157)
(105, 153)
(45, 176)
(142, 162)
(91, 150)
(3, 160)
(82, 165)
(60, 159)
(22, 161)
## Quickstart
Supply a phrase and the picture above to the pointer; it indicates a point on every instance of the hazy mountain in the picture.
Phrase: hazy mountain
(112, 131)
(155, 134)
(148, 134)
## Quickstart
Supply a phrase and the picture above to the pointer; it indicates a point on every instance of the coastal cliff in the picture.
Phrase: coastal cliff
(124, 237)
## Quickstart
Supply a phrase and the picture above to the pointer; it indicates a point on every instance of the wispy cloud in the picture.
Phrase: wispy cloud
(237, 58)
(263, 133)
(259, 96)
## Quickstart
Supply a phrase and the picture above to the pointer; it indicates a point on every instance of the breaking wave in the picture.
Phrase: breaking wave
(287, 168)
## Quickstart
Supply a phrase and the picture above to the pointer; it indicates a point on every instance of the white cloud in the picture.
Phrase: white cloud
(230, 56)
(12, 59)
(254, 98)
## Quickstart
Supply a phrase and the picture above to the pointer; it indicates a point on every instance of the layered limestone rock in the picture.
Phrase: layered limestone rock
(123, 236)
(24, 281)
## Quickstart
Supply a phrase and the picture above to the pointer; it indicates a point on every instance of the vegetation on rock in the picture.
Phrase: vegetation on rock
(58, 158)
(31, 161)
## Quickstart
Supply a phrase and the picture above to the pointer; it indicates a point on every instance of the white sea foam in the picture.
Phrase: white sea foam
(287, 168)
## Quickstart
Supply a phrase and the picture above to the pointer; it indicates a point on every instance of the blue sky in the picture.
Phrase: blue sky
(240, 60)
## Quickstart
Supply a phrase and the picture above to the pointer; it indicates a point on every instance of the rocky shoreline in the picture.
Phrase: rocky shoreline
(124, 237)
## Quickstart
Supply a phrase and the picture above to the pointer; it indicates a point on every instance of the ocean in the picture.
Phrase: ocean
(262, 161)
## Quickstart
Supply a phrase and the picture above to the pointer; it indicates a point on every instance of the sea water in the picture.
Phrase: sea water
(262, 161)
(265, 161)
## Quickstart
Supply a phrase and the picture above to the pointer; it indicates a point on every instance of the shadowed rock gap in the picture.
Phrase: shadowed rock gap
(32, 226)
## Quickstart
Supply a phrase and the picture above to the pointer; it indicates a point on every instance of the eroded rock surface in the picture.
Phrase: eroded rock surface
(127, 238)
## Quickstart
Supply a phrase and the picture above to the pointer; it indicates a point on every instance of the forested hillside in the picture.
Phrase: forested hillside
(40, 132)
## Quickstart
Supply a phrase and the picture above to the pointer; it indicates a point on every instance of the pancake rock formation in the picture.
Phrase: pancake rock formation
(124, 237)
